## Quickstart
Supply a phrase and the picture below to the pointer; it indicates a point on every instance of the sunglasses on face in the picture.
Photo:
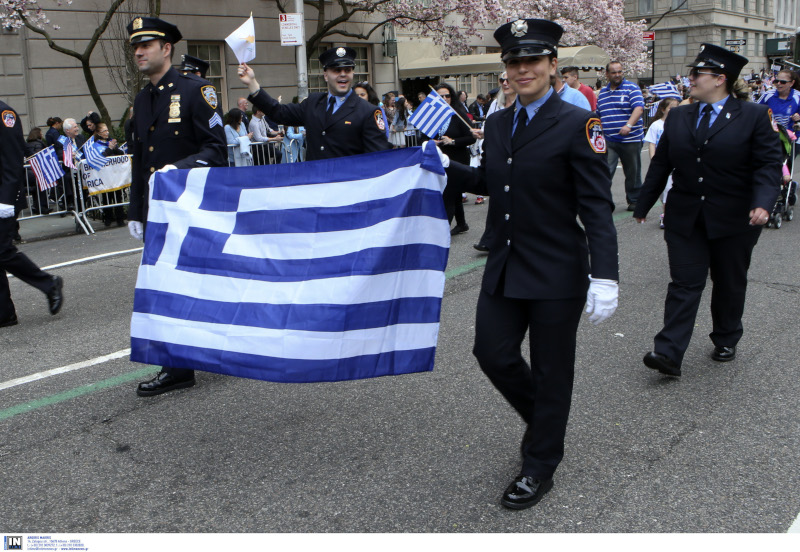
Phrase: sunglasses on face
(695, 72)
(445, 95)
(503, 80)
(782, 81)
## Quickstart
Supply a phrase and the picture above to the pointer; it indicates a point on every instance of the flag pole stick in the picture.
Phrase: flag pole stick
(469, 126)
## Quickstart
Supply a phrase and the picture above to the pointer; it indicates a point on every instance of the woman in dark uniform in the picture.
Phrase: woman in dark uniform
(724, 155)
(454, 138)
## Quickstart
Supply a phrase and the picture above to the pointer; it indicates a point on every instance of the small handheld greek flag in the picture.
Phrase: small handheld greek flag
(431, 114)
(46, 168)
(303, 272)
(93, 151)
(665, 90)
(68, 152)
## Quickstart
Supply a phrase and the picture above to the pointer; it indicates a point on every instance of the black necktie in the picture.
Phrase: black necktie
(331, 103)
(702, 127)
(522, 122)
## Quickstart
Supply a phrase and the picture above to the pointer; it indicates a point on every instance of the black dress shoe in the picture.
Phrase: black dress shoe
(631, 207)
(723, 354)
(459, 229)
(162, 383)
(663, 364)
(55, 297)
(9, 322)
(481, 247)
(525, 492)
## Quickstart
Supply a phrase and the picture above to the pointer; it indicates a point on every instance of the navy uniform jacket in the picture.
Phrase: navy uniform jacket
(12, 155)
(356, 127)
(555, 171)
(183, 129)
(735, 171)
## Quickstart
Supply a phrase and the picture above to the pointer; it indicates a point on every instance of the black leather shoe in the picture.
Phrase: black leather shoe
(663, 364)
(631, 207)
(525, 492)
(723, 354)
(55, 297)
(162, 383)
(481, 247)
(13, 321)
(459, 229)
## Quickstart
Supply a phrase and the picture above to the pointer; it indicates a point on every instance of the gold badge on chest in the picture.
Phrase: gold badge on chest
(175, 108)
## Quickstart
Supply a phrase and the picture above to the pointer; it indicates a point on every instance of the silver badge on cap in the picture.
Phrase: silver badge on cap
(519, 28)
(702, 48)
(341, 52)
(701, 63)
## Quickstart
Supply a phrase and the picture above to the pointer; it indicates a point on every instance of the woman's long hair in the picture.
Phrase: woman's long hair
(35, 134)
(402, 110)
(454, 103)
(234, 118)
(372, 96)
(663, 105)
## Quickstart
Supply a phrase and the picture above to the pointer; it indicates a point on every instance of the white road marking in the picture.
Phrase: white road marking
(64, 369)
(88, 259)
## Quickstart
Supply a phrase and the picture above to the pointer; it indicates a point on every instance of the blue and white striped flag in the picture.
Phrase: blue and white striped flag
(124, 148)
(431, 114)
(93, 153)
(280, 273)
(46, 168)
(665, 90)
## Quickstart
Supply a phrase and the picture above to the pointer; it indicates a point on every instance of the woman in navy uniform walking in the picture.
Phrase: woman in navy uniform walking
(724, 155)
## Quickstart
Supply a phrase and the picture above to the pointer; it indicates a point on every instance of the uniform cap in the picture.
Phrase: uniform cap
(716, 57)
(528, 37)
(338, 57)
(192, 64)
(143, 29)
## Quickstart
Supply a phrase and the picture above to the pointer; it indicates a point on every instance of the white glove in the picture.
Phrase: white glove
(6, 211)
(442, 157)
(135, 228)
(601, 300)
(166, 168)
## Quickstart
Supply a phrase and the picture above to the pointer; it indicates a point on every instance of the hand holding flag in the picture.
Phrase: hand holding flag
(243, 41)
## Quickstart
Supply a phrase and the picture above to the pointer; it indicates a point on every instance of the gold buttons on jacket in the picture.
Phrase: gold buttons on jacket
(152, 169)
(152, 128)
(151, 148)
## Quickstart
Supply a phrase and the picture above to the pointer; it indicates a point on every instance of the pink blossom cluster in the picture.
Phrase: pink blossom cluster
(14, 13)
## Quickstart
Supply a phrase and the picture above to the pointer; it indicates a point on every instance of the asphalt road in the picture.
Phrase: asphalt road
(716, 451)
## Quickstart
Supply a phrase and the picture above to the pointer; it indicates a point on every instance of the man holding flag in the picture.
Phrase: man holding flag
(12, 178)
(177, 124)
(338, 123)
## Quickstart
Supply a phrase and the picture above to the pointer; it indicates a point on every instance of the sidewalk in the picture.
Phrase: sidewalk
(54, 226)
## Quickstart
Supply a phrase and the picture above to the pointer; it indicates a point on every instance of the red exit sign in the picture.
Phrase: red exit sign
(648, 35)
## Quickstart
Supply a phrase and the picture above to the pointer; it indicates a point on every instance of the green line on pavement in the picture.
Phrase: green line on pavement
(131, 376)
(73, 393)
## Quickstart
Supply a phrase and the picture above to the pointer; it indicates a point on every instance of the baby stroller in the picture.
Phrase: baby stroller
(784, 206)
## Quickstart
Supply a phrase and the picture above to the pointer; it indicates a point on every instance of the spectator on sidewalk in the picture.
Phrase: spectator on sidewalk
(571, 78)
(620, 106)
(51, 138)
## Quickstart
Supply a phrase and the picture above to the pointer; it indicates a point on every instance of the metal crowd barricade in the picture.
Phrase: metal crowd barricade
(59, 200)
(94, 205)
(261, 153)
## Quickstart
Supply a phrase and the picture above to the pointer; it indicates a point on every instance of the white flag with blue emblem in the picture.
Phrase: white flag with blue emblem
(243, 41)
(319, 271)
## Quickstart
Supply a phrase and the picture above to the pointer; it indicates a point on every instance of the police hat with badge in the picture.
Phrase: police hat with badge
(143, 29)
(720, 59)
(338, 57)
(192, 64)
(527, 38)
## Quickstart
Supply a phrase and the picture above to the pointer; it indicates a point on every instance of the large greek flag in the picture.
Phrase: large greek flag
(431, 114)
(46, 168)
(318, 271)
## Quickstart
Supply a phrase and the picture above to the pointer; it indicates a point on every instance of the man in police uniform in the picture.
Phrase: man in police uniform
(543, 164)
(725, 158)
(12, 181)
(191, 64)
(177, 124)
(338, 123)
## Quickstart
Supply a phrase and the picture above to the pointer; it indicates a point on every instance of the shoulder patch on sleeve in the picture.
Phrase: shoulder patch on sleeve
(210, 95)
(772, 120)
(379, 120)
(594, 135)
(9, 118)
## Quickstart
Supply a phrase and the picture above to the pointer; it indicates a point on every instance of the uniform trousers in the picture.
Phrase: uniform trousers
(19, 265)
(690, 261)
(541, 392)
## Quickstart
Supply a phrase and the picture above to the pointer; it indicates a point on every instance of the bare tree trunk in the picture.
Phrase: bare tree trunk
(154, 8)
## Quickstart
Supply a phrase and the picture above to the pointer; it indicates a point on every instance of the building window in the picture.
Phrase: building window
(758, 7)
(316, 82)
(646, 7)
(724, 4)
(680, 4)
(746, 6)
(747, 45)
(464, 82)
(679, 40)
(733, 5)
(723, 37)
(213, 53)
(492, 81)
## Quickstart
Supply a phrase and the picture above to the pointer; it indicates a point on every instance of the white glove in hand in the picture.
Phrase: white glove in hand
(444, 158)
(166, 168)
(6, 210)
(135, 228)
(601, 300)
